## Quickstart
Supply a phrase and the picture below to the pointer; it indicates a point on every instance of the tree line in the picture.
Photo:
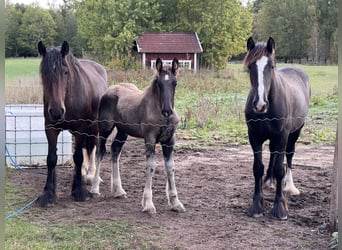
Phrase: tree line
(106, 29)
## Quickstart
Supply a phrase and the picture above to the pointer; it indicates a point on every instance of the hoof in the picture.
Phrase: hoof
(178, 207)
(80, 194)
(46, 199)
(292, 191)
(94, 193)
(151, 210)
(148, 207)
(280, 210)
(256, 210)
(88, 179)
(120, 195)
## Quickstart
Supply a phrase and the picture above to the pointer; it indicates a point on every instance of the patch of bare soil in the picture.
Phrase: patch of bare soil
(216, 188)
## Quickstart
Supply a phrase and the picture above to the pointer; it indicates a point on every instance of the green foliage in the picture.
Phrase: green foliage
(37, 24)
(333, 244)
(289, 23)
(301, 28)
(222, 27)
(109, 28)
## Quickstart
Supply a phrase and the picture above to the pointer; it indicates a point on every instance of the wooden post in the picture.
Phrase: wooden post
(334, 192)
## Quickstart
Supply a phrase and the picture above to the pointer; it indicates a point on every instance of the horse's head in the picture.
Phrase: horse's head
(165, 82)
(260, 61)
(54, 73)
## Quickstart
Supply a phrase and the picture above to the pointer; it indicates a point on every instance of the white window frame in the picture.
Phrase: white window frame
(182, 63)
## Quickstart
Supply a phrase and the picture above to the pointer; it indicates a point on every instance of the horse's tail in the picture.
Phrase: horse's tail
(269, 174)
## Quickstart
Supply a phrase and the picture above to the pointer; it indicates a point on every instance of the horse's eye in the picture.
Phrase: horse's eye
(66, 72)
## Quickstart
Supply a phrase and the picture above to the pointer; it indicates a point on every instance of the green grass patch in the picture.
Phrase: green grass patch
(210, 104)
(22, 233)
(19, 69)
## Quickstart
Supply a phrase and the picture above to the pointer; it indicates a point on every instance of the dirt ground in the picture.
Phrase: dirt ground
(216, 187)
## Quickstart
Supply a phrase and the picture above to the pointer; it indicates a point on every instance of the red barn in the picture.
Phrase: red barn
(169, 45)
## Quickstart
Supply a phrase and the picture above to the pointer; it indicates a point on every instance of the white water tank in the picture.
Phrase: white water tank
(26, 143)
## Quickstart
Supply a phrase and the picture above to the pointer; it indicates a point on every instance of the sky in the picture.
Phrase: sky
(41, 3)
(45, 3)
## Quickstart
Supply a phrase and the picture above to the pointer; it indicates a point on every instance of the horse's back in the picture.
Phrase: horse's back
(297, 80)
(124, 98)
(95, 71)
(297, 93)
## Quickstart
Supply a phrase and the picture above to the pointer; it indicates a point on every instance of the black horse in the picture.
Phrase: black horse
(72, 90)
(276, 108)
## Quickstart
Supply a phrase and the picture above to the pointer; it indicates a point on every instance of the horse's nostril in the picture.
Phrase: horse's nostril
(166, 113)
(56, 114)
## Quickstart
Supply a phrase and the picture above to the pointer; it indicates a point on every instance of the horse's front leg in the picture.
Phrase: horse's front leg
(280, 209)
(147, 203)
(49, 194)
(116, 147)
(171, 191)
(257, 208)
(79, 190)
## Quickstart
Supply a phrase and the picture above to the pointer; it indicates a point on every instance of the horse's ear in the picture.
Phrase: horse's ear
(270, 45)
(65, 48)
(175, 66)
(159, 65)
(250, 44)
(41, 48)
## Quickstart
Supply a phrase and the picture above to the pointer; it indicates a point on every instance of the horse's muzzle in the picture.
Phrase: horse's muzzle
(167, 112)
(56, 114)
(260, 108)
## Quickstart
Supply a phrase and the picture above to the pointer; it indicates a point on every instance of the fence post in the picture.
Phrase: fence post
(334, 191)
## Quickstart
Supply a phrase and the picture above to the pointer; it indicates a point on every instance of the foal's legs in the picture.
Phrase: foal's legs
(116, 147)
(105, 131)
(147, 203)
(49, 194)
(171, 191)
(89, 165)
(290, 149)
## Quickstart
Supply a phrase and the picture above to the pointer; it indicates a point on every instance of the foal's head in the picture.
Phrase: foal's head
(165, 84)
(260, 61)
(55, 74)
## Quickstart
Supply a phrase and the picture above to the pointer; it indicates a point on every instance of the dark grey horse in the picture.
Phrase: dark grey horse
(147, 114)
(276, 108)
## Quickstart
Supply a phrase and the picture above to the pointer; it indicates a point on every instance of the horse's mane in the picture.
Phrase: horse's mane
(253, 55)
(52, 62)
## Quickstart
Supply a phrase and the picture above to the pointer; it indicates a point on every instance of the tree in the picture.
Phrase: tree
(66, 26)
(13, 22)
(289, 22)
(109, 28)
(327, 25)
(37, 24)
(222, 26)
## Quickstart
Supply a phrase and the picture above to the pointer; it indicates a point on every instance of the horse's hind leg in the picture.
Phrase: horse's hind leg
(171, 191)
(290, 149)
(116, 147)
(100, 151)
(277, 147)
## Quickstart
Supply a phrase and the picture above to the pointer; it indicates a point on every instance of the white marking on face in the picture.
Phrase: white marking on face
(167, 77)
(261, 64)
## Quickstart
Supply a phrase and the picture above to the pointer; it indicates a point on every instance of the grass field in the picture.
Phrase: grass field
(211, 108)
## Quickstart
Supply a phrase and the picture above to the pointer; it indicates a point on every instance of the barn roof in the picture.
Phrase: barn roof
(169, 42)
